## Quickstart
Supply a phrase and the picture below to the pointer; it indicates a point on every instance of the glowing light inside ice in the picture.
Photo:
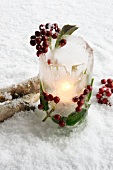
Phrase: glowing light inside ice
(66, 86)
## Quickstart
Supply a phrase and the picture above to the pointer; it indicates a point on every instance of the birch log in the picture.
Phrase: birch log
(19, 90)
(9, 108)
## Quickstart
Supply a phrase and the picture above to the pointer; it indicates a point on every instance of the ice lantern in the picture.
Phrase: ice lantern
(67, 74)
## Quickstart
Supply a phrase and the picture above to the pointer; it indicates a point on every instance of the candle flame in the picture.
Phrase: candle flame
(65, 90)
(66, 86)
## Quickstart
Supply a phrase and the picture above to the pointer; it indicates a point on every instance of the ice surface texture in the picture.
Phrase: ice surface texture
(70, 71)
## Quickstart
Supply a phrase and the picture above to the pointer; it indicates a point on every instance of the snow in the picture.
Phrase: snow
(26, 142)
(7, 96)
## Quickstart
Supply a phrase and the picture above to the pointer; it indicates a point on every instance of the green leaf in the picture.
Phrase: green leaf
(90, 94)
(64, 118)
(92, 81)
(66, 30)
(88, 106)
(83, 117)
(42, 100)
(75, 117)
(85, 71)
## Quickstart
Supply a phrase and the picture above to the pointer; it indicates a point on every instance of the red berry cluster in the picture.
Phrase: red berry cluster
(40, 39)
(105, 91)
(80, 100)
(58, 118)
(49, 97)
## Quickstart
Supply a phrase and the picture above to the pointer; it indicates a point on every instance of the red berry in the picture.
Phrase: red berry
(47, 25)
(50, 97)
(37, 33)
(39, 47)
(46, 98)
(39, 53)
(40, 106)
(89, 87)
(41, 27)
(49, 61)
(33, 42)
(111, 85)
(48, 33)
(55, 25)
(80, 103)
(62, 42)
(103, 81)
(109, 81)
(44, 94)
(54, 36)
(81, 97)
(104, 100)
(108, 93)
(98, 95)
(61, 123)
(33, 37)
(112, 90)
(78, 109)
(38, 40)
(100, 101)
(75, 99)
(101, 90)
(56, 99)
(57, 117)
(44, 38)
(45, 44)
(107, 85)
(43, 32)
(86, 91)
(57, 30)
(45, 50)
(105, 88)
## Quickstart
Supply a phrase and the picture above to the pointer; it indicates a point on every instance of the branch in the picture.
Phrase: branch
(8, 109)
(19, 90)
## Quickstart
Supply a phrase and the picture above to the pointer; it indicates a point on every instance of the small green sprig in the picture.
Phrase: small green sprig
(66, 30)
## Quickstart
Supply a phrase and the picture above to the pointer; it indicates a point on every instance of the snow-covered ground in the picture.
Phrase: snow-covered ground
(25, 142)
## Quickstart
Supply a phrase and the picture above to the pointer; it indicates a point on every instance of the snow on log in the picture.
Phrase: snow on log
(19, 90)
(9, 108)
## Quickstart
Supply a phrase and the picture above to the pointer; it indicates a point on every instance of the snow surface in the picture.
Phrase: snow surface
(25, 142)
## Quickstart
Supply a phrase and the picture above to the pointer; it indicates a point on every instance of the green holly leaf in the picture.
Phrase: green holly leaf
(75, 117)
(42, 100)
(66, 30)
(64, 118)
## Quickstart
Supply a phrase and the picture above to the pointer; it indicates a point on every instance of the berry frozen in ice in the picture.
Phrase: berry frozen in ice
(57, 117)
(61, 123)
(56, 99)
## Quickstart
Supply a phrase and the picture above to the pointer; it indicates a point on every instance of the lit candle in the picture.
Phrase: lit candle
(65, 90)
